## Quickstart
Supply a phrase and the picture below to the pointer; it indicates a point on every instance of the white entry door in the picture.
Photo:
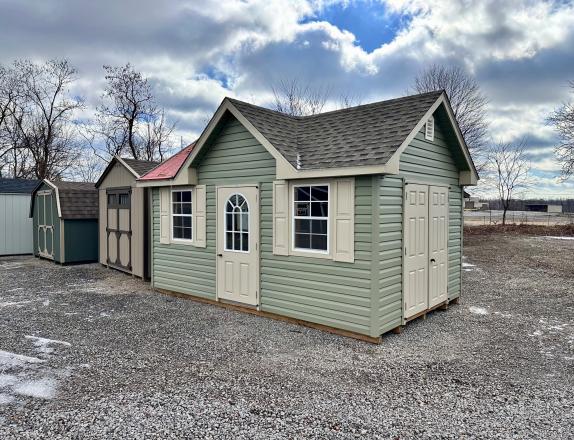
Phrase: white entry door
(438, 242)
(238, 244)
(416, 249)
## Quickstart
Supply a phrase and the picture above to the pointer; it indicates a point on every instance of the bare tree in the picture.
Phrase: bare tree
(128, 120)
(467, 101)
(509, 170)
(88, 168)
(563, 121)
(39, 132)
(296, 99)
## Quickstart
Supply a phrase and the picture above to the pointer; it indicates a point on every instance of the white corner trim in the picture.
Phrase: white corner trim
(130, 169)
(47, 182)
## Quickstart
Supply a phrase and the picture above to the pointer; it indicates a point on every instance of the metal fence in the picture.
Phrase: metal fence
(494, 217)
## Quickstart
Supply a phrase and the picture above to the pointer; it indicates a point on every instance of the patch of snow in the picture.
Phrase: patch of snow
(7, 380)
(46, 303)
(559, 238)
(42, 344)
(105, 315)
(504, 315)
(536, 333)
(5, 399)
(12, 359)
(44, 388)
(464, 264)
(478, 310)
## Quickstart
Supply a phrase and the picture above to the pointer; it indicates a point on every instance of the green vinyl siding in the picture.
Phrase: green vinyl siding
(390, 283)
(435, 163)
(319, 290)
(312, 289)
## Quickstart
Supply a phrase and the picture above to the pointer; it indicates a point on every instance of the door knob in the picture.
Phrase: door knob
(220, 255)
(432, 260)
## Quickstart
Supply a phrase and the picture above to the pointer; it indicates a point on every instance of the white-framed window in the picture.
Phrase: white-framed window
(310, 213)
(237, 224)
(181, 214)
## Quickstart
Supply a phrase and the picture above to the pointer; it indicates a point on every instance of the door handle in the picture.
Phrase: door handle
(432, 260)
(220, 255)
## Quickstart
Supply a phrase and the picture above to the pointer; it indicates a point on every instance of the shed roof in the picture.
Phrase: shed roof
(136, 167)
(169, 168)
(76, 200)
(17, 186)
(362, 135)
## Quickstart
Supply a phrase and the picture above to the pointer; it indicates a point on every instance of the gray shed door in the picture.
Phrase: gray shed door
(15, 225)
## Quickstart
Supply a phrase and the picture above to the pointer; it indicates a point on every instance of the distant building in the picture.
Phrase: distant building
(544, 207)
(473, 203)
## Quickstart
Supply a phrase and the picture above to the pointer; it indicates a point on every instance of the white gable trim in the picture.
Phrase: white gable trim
(226, 105)
(285, 171)
(466, 177)
(130, 169)
(55, 188)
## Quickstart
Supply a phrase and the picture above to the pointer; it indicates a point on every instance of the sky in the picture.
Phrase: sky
(197, 52)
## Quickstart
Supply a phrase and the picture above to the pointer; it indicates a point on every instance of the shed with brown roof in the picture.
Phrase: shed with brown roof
(65, 221)
(123, 216)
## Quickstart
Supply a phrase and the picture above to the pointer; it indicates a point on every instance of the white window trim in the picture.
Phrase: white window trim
(171, 215)
(225, 225)
(310, 252)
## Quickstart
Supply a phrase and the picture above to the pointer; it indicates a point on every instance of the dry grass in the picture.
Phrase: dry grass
(555, 230)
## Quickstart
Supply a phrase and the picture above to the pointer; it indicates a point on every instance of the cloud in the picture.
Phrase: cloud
(196, 53)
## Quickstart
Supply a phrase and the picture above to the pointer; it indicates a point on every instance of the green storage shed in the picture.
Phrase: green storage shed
(65, 221)
(349, 221)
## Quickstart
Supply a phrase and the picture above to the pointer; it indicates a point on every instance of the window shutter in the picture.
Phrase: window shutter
(199, 215)
(164, 208)
(280, 217)
(344, 221)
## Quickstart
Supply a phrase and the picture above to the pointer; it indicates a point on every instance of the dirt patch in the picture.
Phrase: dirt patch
(556, 230)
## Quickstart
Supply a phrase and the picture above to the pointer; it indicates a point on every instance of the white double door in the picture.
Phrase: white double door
(238, 244)
(425, 281)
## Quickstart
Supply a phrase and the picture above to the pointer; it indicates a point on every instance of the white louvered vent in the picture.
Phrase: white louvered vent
(429, 129)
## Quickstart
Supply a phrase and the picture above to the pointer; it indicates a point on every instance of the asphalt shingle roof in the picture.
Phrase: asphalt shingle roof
(78, 200)
(363, 135)
(140, 166)
(17, 186)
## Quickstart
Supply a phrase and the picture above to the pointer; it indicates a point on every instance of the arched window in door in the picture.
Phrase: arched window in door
(237, 224)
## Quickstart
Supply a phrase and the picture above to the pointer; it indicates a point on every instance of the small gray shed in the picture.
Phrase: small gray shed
(15, 225)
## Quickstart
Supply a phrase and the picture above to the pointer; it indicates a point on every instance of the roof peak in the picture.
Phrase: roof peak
(360, 106)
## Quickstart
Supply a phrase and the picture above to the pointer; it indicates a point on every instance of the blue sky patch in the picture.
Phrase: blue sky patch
(371, 23)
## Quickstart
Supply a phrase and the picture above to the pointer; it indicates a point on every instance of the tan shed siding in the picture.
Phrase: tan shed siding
(390, 310)
(332, 293)
(433, 162)
(317, 290)
(117, 177)
(120, 177)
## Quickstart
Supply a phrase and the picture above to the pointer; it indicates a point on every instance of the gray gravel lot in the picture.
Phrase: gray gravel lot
(118, 361)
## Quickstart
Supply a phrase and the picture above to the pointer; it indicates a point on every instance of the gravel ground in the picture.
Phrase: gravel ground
(90, 353)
